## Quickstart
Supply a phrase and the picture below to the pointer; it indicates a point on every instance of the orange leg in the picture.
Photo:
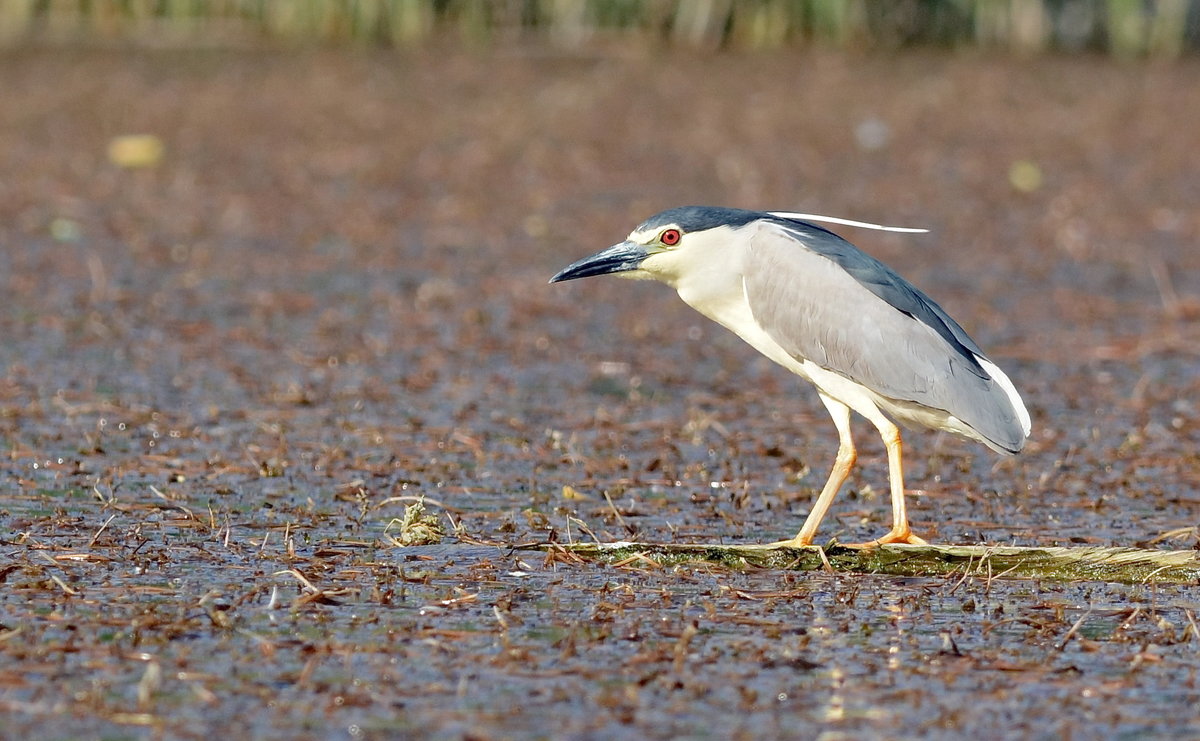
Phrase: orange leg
(846, 456)
(900, 532)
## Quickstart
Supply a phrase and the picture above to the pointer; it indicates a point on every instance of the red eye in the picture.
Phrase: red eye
(670, 237)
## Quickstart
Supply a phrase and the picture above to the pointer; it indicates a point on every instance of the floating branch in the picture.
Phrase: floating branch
(1122, 565)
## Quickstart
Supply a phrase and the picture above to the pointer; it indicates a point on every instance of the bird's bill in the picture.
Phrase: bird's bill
(620, 258)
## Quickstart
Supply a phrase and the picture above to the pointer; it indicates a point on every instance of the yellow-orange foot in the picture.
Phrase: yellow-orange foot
(902, 536)
(790, 543)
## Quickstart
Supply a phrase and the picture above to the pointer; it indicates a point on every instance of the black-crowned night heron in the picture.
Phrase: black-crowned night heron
(814, 303)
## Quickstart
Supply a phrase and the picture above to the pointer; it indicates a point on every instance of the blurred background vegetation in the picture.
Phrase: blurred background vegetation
(1123, 28)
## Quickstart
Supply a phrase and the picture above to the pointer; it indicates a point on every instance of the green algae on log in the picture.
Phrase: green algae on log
(1121, 565)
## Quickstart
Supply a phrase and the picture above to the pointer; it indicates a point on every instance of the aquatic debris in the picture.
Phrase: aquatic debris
(417, 526)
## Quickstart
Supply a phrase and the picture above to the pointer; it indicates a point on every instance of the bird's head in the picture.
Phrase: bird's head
(663, 246)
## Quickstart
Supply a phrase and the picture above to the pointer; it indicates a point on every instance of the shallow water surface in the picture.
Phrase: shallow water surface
(225, 377)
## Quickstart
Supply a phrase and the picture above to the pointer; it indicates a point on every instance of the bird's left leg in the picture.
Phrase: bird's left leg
(900, 532)
(846, 456)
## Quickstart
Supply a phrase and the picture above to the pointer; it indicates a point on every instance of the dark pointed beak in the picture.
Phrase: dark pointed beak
(620, 258)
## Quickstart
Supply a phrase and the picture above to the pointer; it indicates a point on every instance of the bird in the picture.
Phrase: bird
(809, 300)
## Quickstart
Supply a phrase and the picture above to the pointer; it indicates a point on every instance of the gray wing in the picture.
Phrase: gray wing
(824, 300)
(887, 285)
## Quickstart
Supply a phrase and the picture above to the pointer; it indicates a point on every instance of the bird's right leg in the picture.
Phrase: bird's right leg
(900, 532)
(846, 456)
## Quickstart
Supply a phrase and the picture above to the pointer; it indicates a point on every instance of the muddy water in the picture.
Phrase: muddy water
(224, 376)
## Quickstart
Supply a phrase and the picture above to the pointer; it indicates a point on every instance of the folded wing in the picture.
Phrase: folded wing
(824, 300)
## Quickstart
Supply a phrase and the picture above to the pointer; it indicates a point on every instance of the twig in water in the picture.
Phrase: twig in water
(1172, 534)
(966, 573)
(92, 542)
(825, 560)
(1129, 620)
(582, 526)
(613, 507)
(1071, 633)
(300, 578)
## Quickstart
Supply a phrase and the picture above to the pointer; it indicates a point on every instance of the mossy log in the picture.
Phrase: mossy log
(1120, 565)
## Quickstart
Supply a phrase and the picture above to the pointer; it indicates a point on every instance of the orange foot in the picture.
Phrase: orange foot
(895, 536)
(796, 542)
